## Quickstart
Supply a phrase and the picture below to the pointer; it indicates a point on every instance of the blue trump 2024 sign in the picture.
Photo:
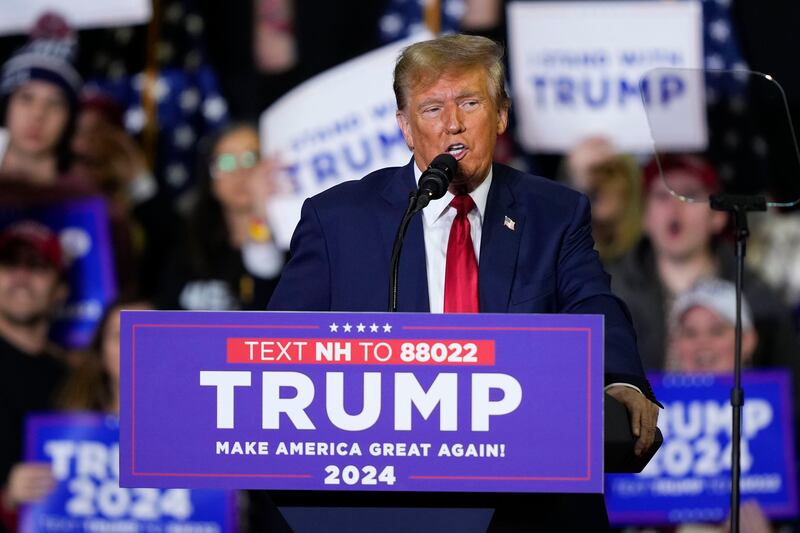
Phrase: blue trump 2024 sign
(688, 480)
(83, 450)
(362, 401)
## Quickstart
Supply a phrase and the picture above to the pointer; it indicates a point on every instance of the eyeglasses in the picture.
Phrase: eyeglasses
(230, 162)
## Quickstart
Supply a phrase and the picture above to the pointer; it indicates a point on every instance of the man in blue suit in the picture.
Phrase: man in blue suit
(529, 240)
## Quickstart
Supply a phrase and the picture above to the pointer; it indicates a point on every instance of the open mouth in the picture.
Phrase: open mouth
(457, 150)
(674, 228)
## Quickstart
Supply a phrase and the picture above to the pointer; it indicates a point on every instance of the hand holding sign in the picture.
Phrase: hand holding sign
(77, 489)
(28, 483)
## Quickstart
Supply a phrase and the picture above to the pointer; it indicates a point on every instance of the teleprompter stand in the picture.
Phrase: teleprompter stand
(738, 206)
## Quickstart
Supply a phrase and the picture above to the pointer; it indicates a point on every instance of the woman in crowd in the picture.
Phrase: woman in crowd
(94, 384)
(613, 183)
(114, 164)
(229, 260)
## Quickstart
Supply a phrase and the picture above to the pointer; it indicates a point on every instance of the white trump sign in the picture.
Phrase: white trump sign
(576, 68)
(335, 127)
(18, 16)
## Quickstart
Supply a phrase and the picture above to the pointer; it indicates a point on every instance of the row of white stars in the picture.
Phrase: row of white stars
(360, 327)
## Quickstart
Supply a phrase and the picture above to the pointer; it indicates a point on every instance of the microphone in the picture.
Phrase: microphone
(432, 185)
(435, 180)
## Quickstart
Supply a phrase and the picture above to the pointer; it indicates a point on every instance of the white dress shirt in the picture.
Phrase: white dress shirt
(437, 218)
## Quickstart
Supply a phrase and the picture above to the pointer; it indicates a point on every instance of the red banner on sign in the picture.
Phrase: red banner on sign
(360, 351)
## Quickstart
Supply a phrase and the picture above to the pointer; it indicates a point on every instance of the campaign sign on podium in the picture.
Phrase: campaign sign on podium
(362, 401)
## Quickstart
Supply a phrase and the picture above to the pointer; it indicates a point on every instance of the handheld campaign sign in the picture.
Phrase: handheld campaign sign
(337, 126)
(576, 66)
(82, 227)
(688, 480)
(20, 15)
(84, 452)
(362, 401)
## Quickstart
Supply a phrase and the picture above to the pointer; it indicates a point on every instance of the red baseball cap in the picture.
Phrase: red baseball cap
(692, 165)
(33, 236)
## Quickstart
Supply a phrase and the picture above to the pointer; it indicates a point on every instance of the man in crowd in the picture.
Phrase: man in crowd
(702, 328)
(498, 241)
(702, 339)
(683, 244)
(32, 288)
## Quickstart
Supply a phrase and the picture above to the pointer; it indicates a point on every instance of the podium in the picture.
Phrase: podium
(367, 409)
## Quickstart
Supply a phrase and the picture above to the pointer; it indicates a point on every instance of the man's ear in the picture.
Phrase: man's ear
(405, 127)
(502, 120)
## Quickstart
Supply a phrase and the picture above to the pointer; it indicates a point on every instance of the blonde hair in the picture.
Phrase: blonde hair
(627, 229)
(427, 60)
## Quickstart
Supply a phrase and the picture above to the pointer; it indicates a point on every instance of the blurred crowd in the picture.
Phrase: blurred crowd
(158, 122)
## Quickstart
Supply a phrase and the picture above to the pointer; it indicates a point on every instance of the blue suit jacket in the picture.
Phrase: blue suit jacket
(341, 249)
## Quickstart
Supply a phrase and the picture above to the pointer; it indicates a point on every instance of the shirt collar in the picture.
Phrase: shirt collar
(437, 208)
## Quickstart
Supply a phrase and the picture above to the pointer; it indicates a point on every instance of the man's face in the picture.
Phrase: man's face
(37, 115)
(677, 229)
(705, 342)
(454, 114)
(30, 289)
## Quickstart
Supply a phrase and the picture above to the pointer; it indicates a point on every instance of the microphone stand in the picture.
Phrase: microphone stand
(413, 208)
(738, 206)
(432, 184)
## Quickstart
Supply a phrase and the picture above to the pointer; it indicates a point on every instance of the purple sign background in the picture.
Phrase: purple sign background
(552, 442)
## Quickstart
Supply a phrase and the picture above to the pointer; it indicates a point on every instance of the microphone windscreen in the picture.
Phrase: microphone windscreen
(446, 163)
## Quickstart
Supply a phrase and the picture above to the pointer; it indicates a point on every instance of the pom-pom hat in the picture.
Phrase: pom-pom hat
(48, 56)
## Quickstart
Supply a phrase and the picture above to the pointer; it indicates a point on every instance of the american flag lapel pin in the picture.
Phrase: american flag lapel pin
(510, 224)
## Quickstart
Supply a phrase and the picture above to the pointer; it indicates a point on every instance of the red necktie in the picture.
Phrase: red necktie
(461, 271)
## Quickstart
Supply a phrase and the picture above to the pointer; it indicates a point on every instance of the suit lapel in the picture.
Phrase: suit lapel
(499, 243)
(413, 278)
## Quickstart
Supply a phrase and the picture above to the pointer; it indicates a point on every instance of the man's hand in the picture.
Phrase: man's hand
(643, 412)
(28, 483)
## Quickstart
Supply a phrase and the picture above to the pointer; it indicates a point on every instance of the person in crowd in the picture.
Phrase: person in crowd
(32, 288)
(588, 153)
(105, 153)
(91, 385)
(535, 254)
(94, 384)
(112, 160)
(229, 260)
(682, 243)
(702, 321)
(39, 89)
(773, 251)
(702, 339)
(612, 182)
